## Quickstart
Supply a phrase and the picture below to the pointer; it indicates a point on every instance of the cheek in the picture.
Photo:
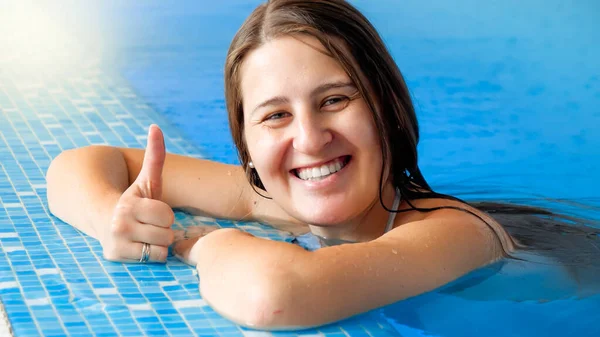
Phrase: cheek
(364, 132)
(266, 152)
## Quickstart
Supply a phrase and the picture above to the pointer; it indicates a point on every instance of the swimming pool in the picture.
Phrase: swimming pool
(507, 96)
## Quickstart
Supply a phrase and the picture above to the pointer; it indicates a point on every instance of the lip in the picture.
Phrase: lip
(330, 181)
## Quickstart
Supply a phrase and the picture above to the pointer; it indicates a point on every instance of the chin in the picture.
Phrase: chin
(324, 216)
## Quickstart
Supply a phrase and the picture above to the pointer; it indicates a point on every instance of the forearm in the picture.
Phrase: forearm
(84, 185)
(213, 189)
(246, 279)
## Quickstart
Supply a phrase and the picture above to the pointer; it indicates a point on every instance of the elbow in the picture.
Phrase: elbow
(286, 304)
(265, 308)
(258, 305)
(264, 301)
(63, 172)
(54, 178)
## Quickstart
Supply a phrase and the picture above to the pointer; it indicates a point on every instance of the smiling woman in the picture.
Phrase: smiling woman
(327, 137)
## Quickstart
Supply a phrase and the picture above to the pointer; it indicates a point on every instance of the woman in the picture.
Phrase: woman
(327, 137)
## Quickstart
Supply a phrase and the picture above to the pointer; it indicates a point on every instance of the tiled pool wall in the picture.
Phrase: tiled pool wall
(53, 279)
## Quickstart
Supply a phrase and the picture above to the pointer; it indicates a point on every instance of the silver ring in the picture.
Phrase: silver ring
(145, 253)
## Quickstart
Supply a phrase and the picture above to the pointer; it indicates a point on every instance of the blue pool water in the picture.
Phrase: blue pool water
(508, 98)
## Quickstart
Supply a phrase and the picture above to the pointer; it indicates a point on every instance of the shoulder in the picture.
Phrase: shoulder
(458, 220)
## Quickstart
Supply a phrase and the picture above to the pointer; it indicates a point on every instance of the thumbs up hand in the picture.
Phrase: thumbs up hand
(140, 230)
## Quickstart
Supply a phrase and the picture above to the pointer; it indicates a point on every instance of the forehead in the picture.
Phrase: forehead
(287, 66)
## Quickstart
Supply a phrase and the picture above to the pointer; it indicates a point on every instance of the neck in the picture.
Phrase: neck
(368, 226)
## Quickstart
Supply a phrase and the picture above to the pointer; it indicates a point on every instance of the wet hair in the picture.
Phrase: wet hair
(348, 37)
(351, 39)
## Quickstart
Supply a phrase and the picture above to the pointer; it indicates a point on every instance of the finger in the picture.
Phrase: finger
(131, 252)
(153, 235)
(150, 177)
(187, 250)
(154, 212)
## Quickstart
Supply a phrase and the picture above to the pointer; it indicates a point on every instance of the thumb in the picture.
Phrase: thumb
(150, 177)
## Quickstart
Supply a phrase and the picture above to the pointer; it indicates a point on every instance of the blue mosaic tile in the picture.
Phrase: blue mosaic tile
(53, 279)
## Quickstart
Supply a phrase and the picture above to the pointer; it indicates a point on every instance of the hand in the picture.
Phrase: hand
(187, 246)
(187, 243)
(140, 216)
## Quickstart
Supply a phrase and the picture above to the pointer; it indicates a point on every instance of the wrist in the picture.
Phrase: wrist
(102, 213)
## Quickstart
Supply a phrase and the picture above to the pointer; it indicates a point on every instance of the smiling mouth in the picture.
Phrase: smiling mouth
(322, 171)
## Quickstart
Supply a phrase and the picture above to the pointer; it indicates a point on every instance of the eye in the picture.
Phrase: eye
(275, 116)
(337, 101)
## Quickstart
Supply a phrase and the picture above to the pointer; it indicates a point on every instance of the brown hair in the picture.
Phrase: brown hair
(353, 41)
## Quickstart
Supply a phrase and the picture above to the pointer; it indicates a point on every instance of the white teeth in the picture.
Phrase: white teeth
(315, 173)
(302, 174)
(338, 166)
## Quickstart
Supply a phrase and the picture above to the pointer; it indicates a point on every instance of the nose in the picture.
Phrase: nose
(312, 134)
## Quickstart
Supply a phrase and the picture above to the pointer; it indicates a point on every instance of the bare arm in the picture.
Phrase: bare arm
(85, 184)
(285, 287)
(213, 189)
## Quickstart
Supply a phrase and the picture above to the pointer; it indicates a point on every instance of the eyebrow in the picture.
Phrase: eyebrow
(277, 100)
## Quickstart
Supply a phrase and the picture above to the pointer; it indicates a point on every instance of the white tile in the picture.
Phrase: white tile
(168, 283)
(106, 291)
(8, 285)
(26, 193)
(37, 301)
(12, 205)
(189, 304)
(143, 306)
(11, 249)
(8, 235)
(47, 271)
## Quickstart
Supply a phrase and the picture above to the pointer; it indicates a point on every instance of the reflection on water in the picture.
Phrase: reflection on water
(551, 281)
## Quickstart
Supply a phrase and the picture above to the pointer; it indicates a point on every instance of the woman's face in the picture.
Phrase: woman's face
(309, 133)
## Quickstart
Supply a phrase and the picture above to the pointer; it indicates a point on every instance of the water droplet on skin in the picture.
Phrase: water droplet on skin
(394, 251)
